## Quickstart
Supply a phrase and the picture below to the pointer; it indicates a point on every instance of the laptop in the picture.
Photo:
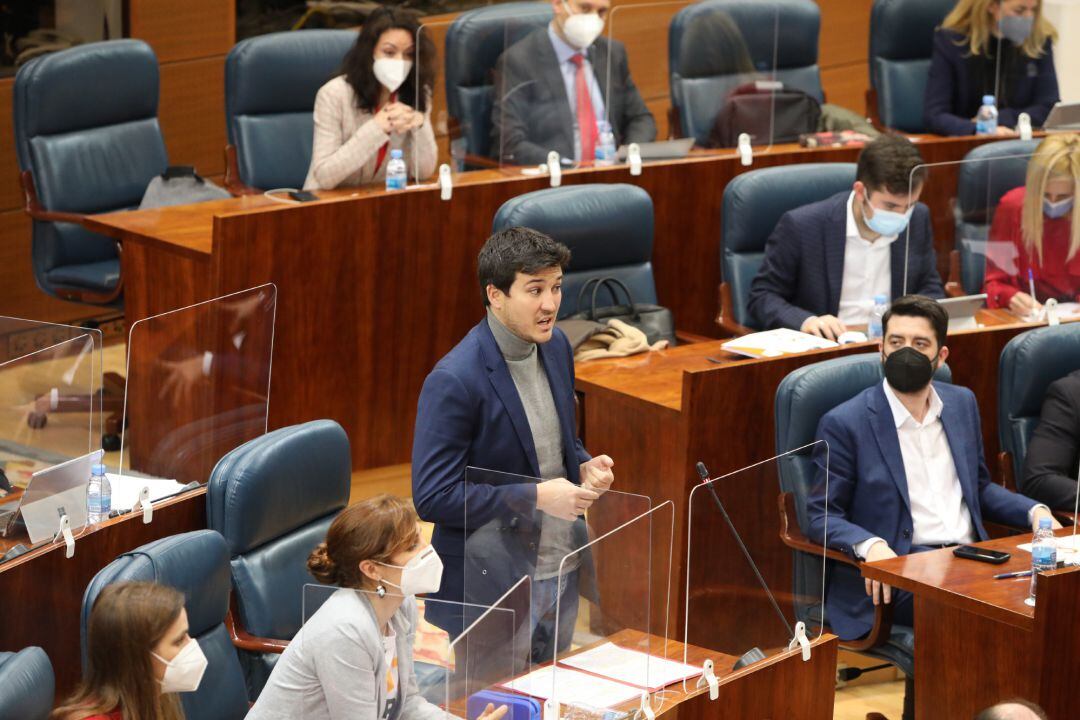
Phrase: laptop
(51, 492)
(662, 150)
(1063, 116)
(962, 310)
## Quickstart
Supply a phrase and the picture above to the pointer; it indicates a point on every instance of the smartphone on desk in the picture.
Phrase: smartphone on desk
(995, 557)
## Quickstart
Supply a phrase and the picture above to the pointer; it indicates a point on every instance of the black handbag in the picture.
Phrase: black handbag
(654, 320)
(768, 114)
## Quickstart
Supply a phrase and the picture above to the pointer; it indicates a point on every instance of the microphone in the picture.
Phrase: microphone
(746, 553)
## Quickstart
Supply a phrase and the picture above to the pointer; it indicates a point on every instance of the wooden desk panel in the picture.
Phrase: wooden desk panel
(43, 590)
(977, 642)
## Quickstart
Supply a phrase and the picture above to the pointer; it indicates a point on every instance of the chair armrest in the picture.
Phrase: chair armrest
(872, 109)
(233, 183)
(725, 316)
(1005, 470)
(33, 205)
(953, 287)
(674, 123)
(792, 536)
(244, 640)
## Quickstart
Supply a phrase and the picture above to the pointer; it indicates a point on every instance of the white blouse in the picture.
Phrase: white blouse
(345, 146)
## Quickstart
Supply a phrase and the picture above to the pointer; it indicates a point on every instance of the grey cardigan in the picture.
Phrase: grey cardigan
(335, 667)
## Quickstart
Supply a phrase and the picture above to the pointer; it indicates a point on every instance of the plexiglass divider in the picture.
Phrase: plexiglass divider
(51, 417)
(427, 90)
(599, 565)
(732, 616)
(198, 386)
(714, 80)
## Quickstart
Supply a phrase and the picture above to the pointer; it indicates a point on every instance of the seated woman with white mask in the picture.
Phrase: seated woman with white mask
(353, 657)
(139, 655)
(380, 101)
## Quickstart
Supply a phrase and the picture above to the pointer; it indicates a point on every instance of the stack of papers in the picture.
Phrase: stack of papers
(603, 677)
(774, 343)
(126, 488)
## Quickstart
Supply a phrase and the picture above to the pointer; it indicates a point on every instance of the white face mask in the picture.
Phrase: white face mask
(184, 672)
(581, 30)
(391, 72)
(422, 574)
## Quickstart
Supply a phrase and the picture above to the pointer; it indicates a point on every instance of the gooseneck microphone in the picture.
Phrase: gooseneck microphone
(746, 553)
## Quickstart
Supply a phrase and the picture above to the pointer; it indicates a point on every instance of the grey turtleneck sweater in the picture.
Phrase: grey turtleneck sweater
(523, 360)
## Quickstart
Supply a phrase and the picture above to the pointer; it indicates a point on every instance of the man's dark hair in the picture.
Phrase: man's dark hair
(891, 163)
(918, 306)
(517, 250)
(995, 712)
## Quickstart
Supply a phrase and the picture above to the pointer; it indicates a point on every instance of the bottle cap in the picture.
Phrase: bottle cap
(988, 99)
(881, 299)
(396, 154)
(1044, 523)
(97, 469)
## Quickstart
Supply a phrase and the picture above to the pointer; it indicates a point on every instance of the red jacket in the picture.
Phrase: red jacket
(1007, 262)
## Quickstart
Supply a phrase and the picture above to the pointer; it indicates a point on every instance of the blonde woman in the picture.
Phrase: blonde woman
(1035, 237)
(991, 47)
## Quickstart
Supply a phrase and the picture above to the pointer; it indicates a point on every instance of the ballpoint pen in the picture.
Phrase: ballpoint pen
(1008, 575)
(1031, 285)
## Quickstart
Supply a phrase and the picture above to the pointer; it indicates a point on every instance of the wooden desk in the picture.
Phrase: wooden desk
(374, 287)
(658, 414)
(977, 643)
(42, 590)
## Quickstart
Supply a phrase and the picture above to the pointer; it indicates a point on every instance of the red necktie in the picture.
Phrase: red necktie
(586, 118)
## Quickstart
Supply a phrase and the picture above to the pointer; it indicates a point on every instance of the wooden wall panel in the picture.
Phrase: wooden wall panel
(183, 30)
(10, 193)
(846, 86)
(844, 51)
(20, 296)
(192, 113)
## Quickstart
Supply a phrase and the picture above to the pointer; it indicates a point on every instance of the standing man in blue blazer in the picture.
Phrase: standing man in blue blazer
(906, 470)
(825, 262)
(501, 404)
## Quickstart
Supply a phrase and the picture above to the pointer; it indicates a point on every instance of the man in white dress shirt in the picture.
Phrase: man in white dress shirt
(906, 469)
(825, 262)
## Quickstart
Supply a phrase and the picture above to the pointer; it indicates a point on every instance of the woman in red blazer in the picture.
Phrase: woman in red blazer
(1035, 237)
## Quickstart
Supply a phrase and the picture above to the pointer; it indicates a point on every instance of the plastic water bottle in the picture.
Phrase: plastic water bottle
(1043, 553)
(987, 117)
(877, 314)
(396, 178)
(605, 144)
(98, 495)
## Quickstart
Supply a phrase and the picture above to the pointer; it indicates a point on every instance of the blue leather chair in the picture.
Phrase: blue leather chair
(474, 43)
(87, 141)
(698, 91)
(901, 43)
(988, 172)
(270, 87)
(27, 685)
(1029, 363)
(802, 399)
(752, 205)
(608, 228)
(273, 499)
(196, 564)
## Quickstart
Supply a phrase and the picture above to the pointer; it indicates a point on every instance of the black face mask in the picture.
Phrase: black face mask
(908, 370)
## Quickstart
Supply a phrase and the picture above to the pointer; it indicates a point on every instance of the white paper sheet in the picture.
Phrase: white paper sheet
(575, 688)
(629, 666)
(774, 343)
(125, 490)
(1068, 549)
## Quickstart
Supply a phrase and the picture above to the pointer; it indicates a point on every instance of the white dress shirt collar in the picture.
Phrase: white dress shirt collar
(900, 413)
(867, 271)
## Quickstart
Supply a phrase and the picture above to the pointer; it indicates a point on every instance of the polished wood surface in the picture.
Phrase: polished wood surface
(844, 51)
(192, 112)
(43, 590)
(978, 643)
(183, 31)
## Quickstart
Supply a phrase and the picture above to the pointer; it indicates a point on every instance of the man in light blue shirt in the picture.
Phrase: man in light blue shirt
(556, 84)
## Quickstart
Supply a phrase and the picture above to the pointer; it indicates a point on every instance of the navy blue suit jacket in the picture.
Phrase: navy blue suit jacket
(470, 415)
(804, 264)
(868, 490)
(951, 99)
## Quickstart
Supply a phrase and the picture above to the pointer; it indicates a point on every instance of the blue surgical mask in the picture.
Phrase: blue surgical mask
(886, 222)
(1054, 210)
(1016, 28)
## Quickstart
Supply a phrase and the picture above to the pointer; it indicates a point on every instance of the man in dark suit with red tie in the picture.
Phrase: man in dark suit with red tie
(556, 84)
